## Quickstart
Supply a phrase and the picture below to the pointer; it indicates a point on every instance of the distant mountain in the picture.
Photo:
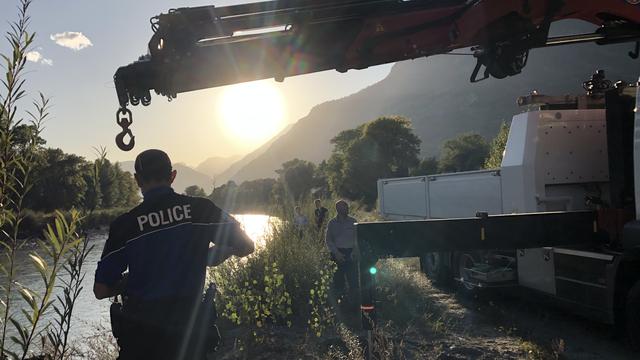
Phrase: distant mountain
(187, 176)
(217, 164)
(435, 93)
(231, 172)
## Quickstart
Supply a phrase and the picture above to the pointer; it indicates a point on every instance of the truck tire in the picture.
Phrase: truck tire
(461, 261)
(632, 318)
(436, 266)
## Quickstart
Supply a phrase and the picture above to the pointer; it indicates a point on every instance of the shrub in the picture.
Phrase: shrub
(286, 282)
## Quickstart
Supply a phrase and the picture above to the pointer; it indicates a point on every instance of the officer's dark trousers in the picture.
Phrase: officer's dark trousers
(144, 342)
(164, 333)
(346, 271)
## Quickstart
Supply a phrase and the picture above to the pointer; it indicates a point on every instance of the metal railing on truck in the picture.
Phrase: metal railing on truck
(399, 239)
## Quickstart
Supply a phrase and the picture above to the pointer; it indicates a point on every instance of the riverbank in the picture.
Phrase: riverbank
(35, 222)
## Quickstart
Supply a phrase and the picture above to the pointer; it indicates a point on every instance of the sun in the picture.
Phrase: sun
(252, 112)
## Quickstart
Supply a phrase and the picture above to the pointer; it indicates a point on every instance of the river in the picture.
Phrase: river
(89, 313)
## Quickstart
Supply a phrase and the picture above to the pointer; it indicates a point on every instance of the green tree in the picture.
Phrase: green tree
(385, 147)
(254, 195)
(428, 166)
(26, 135)
(59, 184)
(363, 167)
(321, 187)
(130, 190)
(108, 184)
(93, 195)
(335, 173)
(497, 147)
(127, 189)
(297, 178)
(393, 141)
(463, 153)
(225, 195)
(344, 139)
(195, 190)
(66, 180)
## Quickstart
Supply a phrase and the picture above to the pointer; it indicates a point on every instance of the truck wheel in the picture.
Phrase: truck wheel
(465, 261)
(632, 310)
(436, 267)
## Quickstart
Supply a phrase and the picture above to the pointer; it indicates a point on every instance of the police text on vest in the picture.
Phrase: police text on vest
(166, 216)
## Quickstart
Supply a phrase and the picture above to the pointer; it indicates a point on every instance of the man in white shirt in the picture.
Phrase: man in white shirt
(340, 239)
(300, 220)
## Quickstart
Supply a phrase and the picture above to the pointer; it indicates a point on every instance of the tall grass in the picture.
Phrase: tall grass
(18, 150)
(284, 283)
(71, 279)
(60, 241)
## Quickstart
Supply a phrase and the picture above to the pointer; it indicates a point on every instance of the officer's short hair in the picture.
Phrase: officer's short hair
(153, 165)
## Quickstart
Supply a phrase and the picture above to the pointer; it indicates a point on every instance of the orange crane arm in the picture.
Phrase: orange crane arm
(204, 47)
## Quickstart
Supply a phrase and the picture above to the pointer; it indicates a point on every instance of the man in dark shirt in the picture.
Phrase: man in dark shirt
(320, 214)
(166, 243)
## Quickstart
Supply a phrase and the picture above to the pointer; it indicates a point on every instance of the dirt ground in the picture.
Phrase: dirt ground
(548, 326)
(419, 321)
(511, 325)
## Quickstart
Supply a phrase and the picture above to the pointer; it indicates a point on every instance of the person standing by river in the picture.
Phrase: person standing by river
(166, 243)
(300, 220)
(320, 213)
(340, 240)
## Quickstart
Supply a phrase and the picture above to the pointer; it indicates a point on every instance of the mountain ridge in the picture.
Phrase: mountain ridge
(436, 95)
(186, 176)
(215, 165)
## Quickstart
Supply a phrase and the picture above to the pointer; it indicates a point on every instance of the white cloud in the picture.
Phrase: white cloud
(72, 40)
(36, 57)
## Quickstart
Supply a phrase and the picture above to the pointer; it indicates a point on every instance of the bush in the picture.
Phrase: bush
(286, 282)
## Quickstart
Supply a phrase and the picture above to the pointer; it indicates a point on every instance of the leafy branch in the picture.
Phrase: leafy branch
(60, 241)
(16, 158)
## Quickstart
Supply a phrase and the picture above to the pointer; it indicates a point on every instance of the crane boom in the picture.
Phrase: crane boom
(204, 47)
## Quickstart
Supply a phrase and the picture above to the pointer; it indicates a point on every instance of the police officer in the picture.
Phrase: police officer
(166, 243)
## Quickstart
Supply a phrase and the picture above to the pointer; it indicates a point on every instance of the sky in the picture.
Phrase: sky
(78, 47)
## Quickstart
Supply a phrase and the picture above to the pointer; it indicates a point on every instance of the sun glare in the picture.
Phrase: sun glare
(252, 112)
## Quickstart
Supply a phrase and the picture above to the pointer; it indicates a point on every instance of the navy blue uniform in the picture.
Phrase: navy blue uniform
(164, 243)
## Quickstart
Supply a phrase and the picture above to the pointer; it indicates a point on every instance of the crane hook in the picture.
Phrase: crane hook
(124, 119)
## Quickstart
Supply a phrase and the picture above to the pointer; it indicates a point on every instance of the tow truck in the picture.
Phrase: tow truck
(568, 162)
(540, 221)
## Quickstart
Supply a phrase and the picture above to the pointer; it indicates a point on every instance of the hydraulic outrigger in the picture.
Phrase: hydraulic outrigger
(204, 47)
